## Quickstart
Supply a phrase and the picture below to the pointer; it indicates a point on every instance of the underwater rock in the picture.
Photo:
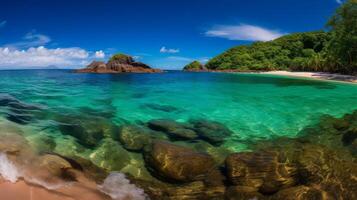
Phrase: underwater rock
(184, 191)
(164, 108)
(267, 171)
(12, 140)
(301, 193)
(213, 132)
(340, 124)
(41, 142)
(173, 162)
(243, 193)
(136, 168)
(219, 154)
(110, 155)
(18, 112)
(194, 190)
(19, 118)
(84, 137)
(12, 102)
(327, 170)
(174, 129)
(88, 131)
(135, 138)
(89, 169)
(349, 136)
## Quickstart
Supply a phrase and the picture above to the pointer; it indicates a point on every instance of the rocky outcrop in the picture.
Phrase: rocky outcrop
(213, 132)
(119, 63)
(176, 163)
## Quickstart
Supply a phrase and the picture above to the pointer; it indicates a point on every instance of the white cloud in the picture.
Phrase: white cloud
(165, 50)
(42, 57)
(31, 39)
(243, 32)
(99, 54)
(339, 1)
(3, 23)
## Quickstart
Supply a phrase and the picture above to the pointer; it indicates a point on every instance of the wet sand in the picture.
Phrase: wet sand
(24, 191)
(316, 75)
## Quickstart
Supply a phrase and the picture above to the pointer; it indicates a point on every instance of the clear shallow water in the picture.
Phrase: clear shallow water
(252, 106)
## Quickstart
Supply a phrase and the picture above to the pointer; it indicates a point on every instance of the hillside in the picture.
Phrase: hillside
(333, 50)
(300, 51)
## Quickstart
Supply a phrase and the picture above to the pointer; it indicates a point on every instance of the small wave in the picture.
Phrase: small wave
(118, 187)
(11, 173)
(7, 169)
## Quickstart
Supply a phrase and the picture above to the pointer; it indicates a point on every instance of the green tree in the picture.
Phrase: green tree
(195, 65)
(342, 48)
(122, 58)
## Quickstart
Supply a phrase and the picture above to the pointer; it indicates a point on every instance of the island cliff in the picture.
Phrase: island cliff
(118, 63)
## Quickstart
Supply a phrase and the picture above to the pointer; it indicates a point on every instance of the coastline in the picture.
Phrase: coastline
(315, 75)
(325, 76)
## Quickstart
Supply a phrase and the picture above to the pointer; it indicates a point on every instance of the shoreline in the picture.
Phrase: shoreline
(315, 75)
(324, 76)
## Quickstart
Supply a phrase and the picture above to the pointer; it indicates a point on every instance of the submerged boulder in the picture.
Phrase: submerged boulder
(219, 153)
(178, 163)
(213, 132)
(243, 193)
(18, 111)
(174, 129)
(110, 155)
(349, 136)
(301, 193)
(266, 171)
(135, 138)
(88, 131)
(331, 170)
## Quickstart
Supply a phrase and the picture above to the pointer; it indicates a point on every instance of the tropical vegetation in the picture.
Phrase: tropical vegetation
(195, 65)
(333, 50)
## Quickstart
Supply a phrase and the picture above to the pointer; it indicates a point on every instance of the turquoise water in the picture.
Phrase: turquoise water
(253, 106)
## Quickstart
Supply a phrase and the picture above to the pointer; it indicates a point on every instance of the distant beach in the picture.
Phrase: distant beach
(315, 75)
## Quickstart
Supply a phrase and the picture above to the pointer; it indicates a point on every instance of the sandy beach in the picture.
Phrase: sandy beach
(25, 191)
(316, 75)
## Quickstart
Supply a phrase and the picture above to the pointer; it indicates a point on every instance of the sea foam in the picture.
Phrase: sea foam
(118, 187)
(7, 169)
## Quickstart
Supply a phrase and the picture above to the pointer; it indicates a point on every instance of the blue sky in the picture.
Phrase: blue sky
(165, 34)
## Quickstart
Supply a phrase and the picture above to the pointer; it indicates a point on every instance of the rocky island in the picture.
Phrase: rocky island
(118, 63)
(195, 66)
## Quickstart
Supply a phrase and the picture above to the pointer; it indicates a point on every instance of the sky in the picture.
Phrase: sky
(165, 34)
